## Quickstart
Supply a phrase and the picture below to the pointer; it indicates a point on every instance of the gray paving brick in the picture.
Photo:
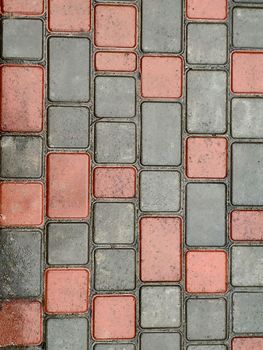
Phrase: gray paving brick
(161, 133)
(160, 191)
(248, 312)
(201, 47)
(65, 334)
(69, 69)
(115, 143)
(113, 223)
(247, 117)
(20, 263)
(206, 319)
(157, 341)
(250, 1)
(115, 347)
(68, 127)
(21, 156)
(114, 269)
(206, 347)
(22, 38)
(247, 173)
(160, 306)
(68, 243)
(161, 25)
(206, 101)
(115, 97)
(205, 224)
(248, 27)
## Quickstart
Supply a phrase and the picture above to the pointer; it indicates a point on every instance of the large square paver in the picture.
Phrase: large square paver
(157, 341)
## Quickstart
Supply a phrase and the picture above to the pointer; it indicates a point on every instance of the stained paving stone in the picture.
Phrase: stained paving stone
(246, 225)
(247, 165)
(114, 347)
(161, 137)
(161, 26)
(114, 223)
(160, 191)
(156, 341)
(201, 39)
(206, 92)
(115, 97)
(212, 312)
(205, 213)
(160, 306)
(21, 156)
(68, 127)
(247, 343)
(67, 333)
(22, 38)
(206, 347)
(23, 7)
(115, 143)
(247, 309)
(20, 263)
(115, 61)
(68, 243)
(204, 9)
(69, 69)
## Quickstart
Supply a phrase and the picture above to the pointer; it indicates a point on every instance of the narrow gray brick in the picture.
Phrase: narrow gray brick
(250, 1)
(206, 347)
(157, 341)
(115, 347)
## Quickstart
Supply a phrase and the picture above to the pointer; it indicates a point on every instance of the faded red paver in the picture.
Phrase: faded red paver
(114, 182)
(160, 249)
(20, 323)
(66, 291)
(247, 72)
(69, 16)
(22, 98)
(23, 7)
(247, 343)
(115, 26)
(161, 76)
(21, 204)
(114, 317)
(206, 271)
(206, 157)
(206, 9)
(116, 61)
(68, 177)
(246, 225)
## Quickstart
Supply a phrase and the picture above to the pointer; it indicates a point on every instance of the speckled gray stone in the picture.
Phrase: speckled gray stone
(157, 341)
(206, 347)
(115, 347)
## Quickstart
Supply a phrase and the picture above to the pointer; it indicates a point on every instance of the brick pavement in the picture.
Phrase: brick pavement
(131, 175)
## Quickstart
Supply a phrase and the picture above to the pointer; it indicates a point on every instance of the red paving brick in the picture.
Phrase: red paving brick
(20, 323)
(161, 76)
(21, 204)
(206, 9)
(206, 157)
(69, 16)
(160, 249)
(247, 344)
(66, 291)
(22, 98)
(115, 26)
(114, 317)
(23, 7)
(114, 182)
(246, 225)
(116, 61)
(68, 177)
(206, 271)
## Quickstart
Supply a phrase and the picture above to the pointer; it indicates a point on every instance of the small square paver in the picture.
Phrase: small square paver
(246, 225)
(247, 309)
(67, 333)
(113, 346)
(68, 127)
(160, 191)
(201, 47)
(157, 341)
(205, 9)
(114, 223)
(23, 7)
(115, 143)
(212, 312)
(68, 243)
(161, 136)
(20, 264)
(115, 97)
(115, 269)
(115, 61)
(247, 266)
(205, 214)
(249, 343)
(247, 173)
(206, 93)
(114, 317)
(160, 307)
(21, 156)
(22, 38)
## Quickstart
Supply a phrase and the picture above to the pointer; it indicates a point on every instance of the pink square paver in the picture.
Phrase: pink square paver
(246, 225)
(207, 9)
